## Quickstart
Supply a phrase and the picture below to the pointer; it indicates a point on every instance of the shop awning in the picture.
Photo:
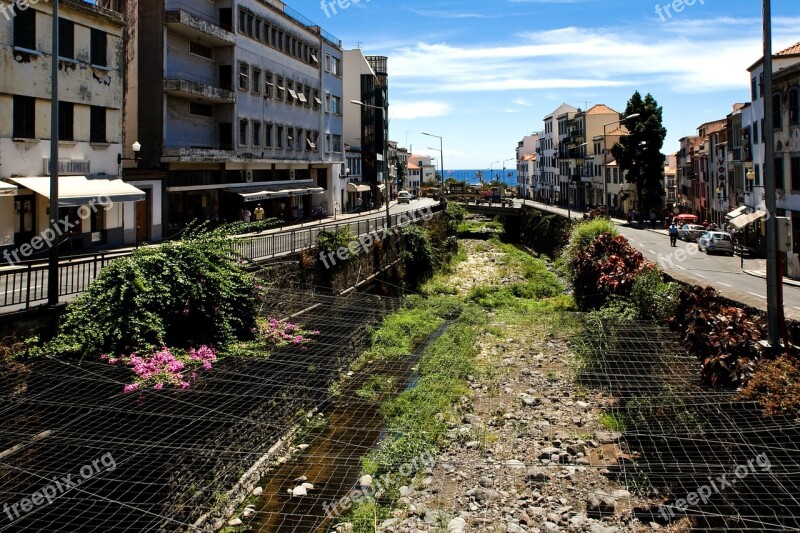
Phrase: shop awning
(80, 190)
(736, 212)
(358, 186)
(6, 189)
(743, 220)
(267, 192)
(316, 190)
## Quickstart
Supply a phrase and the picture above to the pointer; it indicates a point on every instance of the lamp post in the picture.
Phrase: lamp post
(136, 147)
(362, 104)
(605, 154)
(441, 157)
(52, 264)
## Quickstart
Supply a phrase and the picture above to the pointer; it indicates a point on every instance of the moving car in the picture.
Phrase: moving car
(716, 241)
(691, 232)
(404, 197)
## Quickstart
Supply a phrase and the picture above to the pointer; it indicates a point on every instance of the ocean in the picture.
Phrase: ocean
(470, 176)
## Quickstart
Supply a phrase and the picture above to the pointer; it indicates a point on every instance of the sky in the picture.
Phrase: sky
(483, 74)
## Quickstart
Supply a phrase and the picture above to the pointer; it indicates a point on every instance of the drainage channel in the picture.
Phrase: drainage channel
(332, 463)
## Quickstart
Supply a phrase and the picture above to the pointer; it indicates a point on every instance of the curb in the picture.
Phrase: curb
(763, 275)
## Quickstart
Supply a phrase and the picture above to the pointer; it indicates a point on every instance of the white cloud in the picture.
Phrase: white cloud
(412, 110)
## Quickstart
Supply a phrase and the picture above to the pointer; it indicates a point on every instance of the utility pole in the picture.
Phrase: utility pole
(775, 316)
(52, 265)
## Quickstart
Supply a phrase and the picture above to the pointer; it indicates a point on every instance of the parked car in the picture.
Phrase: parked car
(691, 232)
(716, 241)
(404, 197)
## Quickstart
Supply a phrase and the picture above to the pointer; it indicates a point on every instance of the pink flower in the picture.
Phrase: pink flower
(130, 387)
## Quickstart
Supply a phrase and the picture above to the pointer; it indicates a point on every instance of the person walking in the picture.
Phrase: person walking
(259, 214)
(673, 234)
(246, 214)
(359, 204)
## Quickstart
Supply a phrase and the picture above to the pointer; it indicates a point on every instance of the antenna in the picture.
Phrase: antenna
(359, 45)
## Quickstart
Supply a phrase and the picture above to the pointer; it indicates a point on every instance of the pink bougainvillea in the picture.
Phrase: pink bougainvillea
(165, 367)
(285, 333)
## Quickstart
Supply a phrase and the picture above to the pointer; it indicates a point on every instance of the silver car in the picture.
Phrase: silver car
(691, 232)
(716, 241)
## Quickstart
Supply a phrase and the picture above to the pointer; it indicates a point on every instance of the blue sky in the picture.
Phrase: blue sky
(482, 74)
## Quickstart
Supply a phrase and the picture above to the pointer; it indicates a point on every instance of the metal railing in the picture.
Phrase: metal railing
(25, 285)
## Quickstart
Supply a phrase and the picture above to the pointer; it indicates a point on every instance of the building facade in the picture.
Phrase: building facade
(549, 161)
(526, 162)
(89, 132)
(234, 105)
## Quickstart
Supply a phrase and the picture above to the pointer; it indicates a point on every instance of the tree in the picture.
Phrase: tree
(639, 153)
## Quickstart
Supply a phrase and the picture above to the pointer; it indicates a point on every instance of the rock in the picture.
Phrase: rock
(234, 522)
(472, 444)
(486, 482)
(303, 447)
(301, 479)
(514, 528)
(621, 495)
(537, 476)
(608, 437)
(549, 526)
(548, 453)
(307, 486)
(365, 481)
(483, 494)
(599, 505)
(389, 525)
(258, 491)
(457, 525)
(347, 527)
(299, 492)
(248, 512)
(582, 405)
(514, 463)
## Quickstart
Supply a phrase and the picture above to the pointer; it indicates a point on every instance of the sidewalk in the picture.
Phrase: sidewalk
(763, 275)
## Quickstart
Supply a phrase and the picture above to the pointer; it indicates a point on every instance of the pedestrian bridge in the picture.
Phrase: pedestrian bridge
(496, 209)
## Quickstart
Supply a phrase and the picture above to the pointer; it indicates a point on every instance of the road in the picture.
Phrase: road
(687, 264)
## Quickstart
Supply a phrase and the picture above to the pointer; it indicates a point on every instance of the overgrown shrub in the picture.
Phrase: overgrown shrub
(332, 241)
(606, 267)
(419, 257)
(654, 298)
(180, 294)
(582, 235)
(455, 215)
(724, 338)
(776, 387)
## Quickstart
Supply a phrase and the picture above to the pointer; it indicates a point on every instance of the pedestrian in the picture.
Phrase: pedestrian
(259, 214)
(673, 234)
(359, 203)
(246, 214)
(653, 217)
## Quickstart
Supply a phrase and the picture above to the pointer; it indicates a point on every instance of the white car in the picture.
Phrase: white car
(404, 197)
(716, 241)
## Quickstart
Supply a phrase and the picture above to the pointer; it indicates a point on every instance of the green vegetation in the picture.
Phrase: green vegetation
(581, 236)
(332, 241)
(419, 258)
(612, 422)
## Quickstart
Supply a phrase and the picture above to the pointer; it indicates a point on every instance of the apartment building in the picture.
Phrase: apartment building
(671, 180)
(526, 162)
(554, 131)
(234, 104)
(366, 128)
(89, 135)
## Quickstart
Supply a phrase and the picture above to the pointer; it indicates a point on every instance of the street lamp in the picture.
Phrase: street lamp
(605, 155)
(441, 156)
(362, 104)
(136, 147)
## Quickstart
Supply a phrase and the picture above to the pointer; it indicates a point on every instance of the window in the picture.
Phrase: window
(290, 90)
(257, 32)
(99, 48)
(754, 89)
(268, 136)
(66, 39)
(24, 115)
(337, 143)
(779, 173)
(757, 169)
(755, 133)
(335, 66)
(97, 124)
(242, 21)
(328, 145)
(200, 50)
(317, 101)
(66, 121)
(269, 86)
(243, 132)
(796, 173)
(327, 62)
(794, 106)
(777, 116)
(244, 76)
(201, 110)
(256, 134)
(300, 143)
(327, 102)
(25, 29)
(290, 144)
(281, 94)
(256, 81)
(336, 105)
(279, 137)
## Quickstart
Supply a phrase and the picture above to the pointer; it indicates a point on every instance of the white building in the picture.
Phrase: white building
(549, 157)
(526, 163)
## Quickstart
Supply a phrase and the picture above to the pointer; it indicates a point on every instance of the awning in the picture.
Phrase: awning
(743, 220)
(6, 189)
(79, 190)
(736, 212)
(381, 186)
(358, 187)
(316, 190)
(267, 192)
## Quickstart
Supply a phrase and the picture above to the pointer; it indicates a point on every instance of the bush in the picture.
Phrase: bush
(606, 267)
(419, 257)
(179, 294)
(653, 297)
(332, 241)
(585, 233)
(776, 386)
(724, 338)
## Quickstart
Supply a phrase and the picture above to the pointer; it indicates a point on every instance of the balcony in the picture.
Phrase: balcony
(184, 85)
(185, 20)
(188, 151)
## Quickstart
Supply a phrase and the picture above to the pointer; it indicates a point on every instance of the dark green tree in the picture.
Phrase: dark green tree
(639, 153)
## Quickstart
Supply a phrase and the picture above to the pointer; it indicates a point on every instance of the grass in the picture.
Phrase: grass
(612, 422)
